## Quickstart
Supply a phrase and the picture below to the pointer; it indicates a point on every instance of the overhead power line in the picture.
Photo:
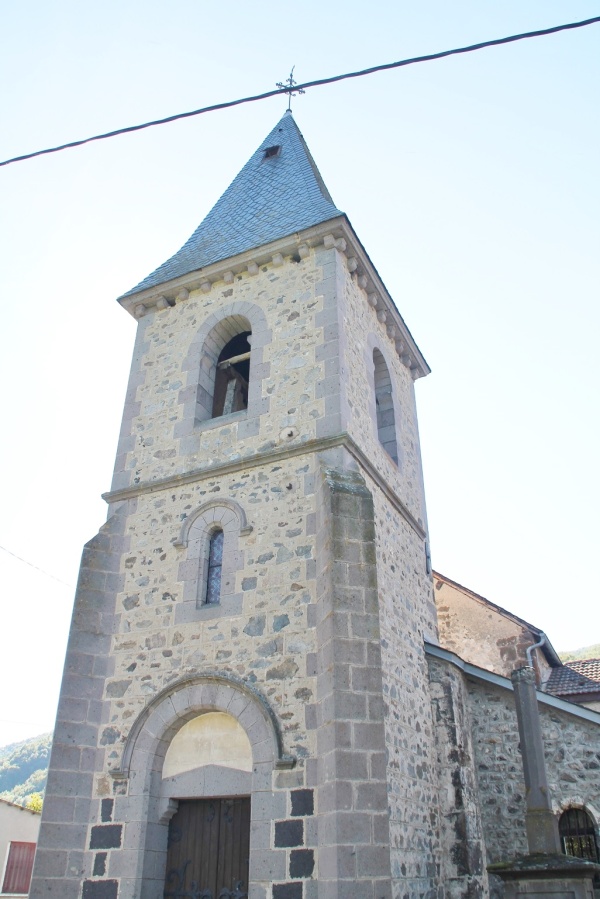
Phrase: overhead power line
(307, 84)
(31, 565)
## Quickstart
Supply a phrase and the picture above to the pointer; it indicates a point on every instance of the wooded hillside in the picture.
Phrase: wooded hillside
(24, 768)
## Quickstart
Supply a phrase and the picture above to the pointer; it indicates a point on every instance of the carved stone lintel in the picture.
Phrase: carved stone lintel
(372, 300)
(252, 268)
(183, 294)
(352, 264)
(277, 260)
(140, 310)
(381, 315)
(303, 250)
(362, 281)
(228, 277)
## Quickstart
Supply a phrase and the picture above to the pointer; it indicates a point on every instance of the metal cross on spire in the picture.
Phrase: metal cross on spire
(288, 87)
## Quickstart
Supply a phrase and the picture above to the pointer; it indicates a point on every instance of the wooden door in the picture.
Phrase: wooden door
(208, 849)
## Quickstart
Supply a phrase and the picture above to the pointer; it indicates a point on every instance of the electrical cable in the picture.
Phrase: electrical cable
(302, 87)
(31, 565)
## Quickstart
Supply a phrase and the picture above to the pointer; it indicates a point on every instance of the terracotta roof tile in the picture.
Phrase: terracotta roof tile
(580, 676)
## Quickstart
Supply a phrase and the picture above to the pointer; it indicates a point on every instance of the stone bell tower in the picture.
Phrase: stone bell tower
(245, 708)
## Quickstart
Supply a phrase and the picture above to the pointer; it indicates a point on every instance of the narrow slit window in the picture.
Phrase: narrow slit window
(384, 406)
(233, 376)
(214, 567)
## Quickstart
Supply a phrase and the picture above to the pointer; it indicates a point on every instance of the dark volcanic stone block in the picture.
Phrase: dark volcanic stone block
(289, 833)
(100, 889)
(303, 802)
(302, 862)
(106, 836)
(287, 890)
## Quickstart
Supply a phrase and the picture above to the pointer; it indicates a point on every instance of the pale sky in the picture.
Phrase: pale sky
(471, 181)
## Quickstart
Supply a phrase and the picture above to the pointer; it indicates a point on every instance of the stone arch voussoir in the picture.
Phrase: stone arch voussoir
(156, 725)
(220, 508)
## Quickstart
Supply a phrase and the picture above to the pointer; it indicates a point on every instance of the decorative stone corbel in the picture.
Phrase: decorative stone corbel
(352, 264)
(228, 277)
(183, 294)
(329, 242)
(391, 331)
(381, 315)
(372, 300)
(252, 268)
(162, 303)
(205, 286)
(303, 250)
(277, 260)
(362, 281)
(140, 310)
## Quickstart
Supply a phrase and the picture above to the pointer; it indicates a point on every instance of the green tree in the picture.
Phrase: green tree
(35, 802)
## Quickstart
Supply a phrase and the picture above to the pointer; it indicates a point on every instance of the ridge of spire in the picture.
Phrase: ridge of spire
(278, 192)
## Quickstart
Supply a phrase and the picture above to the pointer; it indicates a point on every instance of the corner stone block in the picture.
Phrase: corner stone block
(267, 865)
(50, 863)
(106, 836)
(287, 890)
(303, 802)
(100, 889)
(373, 860)
(289, 833)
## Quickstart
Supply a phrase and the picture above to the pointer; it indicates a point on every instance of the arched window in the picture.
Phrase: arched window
(232, 376)
(578, 834)
(211, 537)
(384, 406)
(214, 567)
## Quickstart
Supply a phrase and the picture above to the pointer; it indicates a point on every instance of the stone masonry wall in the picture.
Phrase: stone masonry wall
(295, 361)
(76, 761)
(269, 643)
(308, 381)
(362, 332)
(406, 607)
(463, 849)
(406, 613)
(354, 831)
(482, 634)
(572, 751)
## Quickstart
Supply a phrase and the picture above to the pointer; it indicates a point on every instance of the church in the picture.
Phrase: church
(268, 693)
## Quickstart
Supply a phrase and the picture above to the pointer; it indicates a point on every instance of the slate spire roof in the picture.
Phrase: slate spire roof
(278, 192)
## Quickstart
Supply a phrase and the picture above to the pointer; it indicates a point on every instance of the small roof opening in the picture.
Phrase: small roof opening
(272, 151)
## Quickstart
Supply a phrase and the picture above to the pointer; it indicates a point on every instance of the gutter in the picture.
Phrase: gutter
(497, 680)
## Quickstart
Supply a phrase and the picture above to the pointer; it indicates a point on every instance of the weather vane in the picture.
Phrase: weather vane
(288, 87)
